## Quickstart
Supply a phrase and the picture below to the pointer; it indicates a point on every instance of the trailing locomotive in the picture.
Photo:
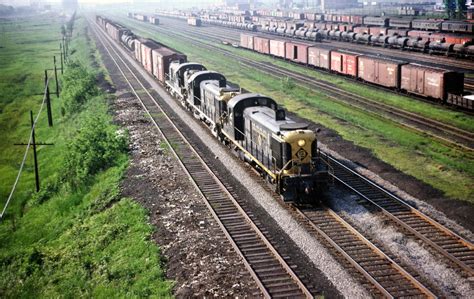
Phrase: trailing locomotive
(253, 125)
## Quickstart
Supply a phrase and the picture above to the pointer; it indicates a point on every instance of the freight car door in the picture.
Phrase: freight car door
(420, 85)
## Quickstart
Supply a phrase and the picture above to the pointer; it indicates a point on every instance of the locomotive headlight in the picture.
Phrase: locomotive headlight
(301, 142)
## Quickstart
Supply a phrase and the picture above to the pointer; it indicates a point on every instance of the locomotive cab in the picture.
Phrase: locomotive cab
(280, 149)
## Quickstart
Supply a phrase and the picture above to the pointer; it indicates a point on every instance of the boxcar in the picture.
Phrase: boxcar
(154, 20)
(344, 62)
(138, 49)
(431, 82)
(426, 24)
(194, 21)
(277, 48)
(357, 19)
(346, 19)
(261, 44)
(380, 71)
(459, 39)
(246, 41)
(399, 32)
(320, 25)
(418, 33)
(297, 52)
(162, 58)
(378, 30)
(319, 57)
(147, 46)
(361, 29)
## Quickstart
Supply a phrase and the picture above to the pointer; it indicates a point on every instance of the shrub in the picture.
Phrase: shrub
(95, 147)
(78, 86)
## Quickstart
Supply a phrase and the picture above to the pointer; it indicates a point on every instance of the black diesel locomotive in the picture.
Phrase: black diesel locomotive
(253, 125)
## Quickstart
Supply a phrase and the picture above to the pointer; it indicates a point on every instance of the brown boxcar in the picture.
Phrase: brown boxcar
(277, 47)
(138, 50)
(297, 52)
(320, 25)
(378, 30)
(419, 33)
(399, 32)
(344, 62)
(147, 46)
(357, 19)
(458, 39)
(346, 19)
(431, 82)
(381, 71)
(261, 44)
(246, 41)
(162, 57)
(319, 57)
(361, 29)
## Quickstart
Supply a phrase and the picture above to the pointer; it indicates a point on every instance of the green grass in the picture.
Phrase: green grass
(77, 237)
(446, 169)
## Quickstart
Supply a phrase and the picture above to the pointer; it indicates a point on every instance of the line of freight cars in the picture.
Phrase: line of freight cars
(394, 22)
(285, 152)
(415, 40)
(429, 82)
(152, 19)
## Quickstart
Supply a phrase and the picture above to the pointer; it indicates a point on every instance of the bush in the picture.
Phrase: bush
(78, 86)
(95, 147)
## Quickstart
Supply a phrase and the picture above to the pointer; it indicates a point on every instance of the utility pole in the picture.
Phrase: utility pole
(48, 99)
(33, 139)
(56, 76)
(61, 53)
(35, 154)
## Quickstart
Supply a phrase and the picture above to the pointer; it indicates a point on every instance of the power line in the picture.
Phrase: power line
(25, 155)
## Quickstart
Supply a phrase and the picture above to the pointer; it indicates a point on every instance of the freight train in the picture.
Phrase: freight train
(442, 37)
(429, 82)
(283, 151)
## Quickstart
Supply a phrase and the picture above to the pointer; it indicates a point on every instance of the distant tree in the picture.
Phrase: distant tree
(450, 7)
(460, 8)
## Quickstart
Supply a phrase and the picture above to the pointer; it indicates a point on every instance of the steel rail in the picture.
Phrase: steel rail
(268, 289)
(409, 116)
(356, 249)
(467, 65)
(448, 243)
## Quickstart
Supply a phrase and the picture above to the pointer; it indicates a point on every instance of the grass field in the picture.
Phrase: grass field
(446, 169)
(78, 236)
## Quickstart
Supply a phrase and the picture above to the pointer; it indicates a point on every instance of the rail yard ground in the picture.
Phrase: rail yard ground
(444, 168)
(78, 236)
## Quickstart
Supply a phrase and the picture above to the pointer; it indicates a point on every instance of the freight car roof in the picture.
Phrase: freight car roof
(431, 68)
(383, 58)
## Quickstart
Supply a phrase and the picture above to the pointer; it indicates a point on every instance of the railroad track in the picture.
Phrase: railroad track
(232, 36)
(391, 280)
(273, 275)
(445, 133)
(461, 65)
(444, 241)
